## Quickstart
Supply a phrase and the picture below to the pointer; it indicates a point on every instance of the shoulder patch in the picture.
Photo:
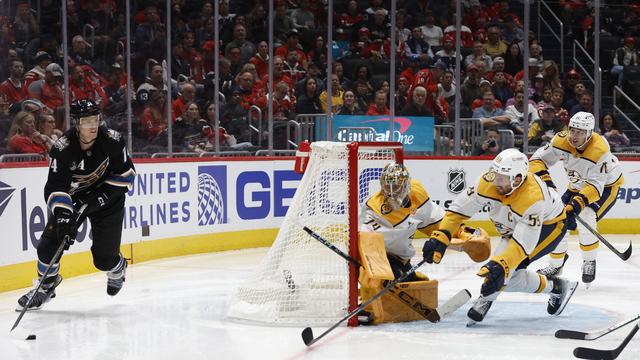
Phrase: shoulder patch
(61, 143)
(114, 134)
(489, 176)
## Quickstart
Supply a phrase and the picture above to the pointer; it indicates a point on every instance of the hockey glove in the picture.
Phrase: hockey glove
(66, 227)
(434, 248)
(573, 208)
(493, 274)
(95, 202)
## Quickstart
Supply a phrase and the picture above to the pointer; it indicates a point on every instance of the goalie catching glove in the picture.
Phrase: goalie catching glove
(434, 248)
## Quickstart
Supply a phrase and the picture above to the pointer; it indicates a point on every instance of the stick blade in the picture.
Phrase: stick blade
(587, 353)
(627, 254)
(453, 304)
(570, 334)
(307, 336)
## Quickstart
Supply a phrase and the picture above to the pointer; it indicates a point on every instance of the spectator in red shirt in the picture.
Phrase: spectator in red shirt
(261, 59)
(278, 75)
(187, 95)
(81, 87)
(37, 72)
(22, 137)
(49, 89)
(12, 90)
(293, 39)
(353, 17)
(154, 117)
(379, 105)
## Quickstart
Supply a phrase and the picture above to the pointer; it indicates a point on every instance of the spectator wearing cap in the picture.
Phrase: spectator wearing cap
(379, 105)
(12, 90)
(282, 22)
(478, 55)
(626, 55)
(541, 131)
(341, 45)
(494, 45)
(303, 17)
(247, 48)
(362, 42)
(432, 33)
(538, 89)
(470, 89)
(534, 71)
(42, 59)
(437, 70)
(498, 66)
(293, 43)
(489, 113)
(448, 52)
(49, 89)
(485, 86)
(417, 46)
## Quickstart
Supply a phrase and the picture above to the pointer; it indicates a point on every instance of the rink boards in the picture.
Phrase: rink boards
(179, 207)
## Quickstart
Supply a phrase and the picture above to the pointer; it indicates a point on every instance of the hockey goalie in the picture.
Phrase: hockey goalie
(388, 222)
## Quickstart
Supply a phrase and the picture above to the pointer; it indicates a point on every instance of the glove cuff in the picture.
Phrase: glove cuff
(60, 211)
(578, 203)
(442, 236)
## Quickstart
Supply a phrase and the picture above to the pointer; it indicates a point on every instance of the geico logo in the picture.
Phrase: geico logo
(256, 192)
(628, 194)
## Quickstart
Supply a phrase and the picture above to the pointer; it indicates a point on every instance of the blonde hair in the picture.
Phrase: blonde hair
(18, 122)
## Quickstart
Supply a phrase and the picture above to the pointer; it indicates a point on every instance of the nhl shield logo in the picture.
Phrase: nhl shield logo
(456, 182)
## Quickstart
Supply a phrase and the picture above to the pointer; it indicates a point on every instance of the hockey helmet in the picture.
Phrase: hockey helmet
(584, 121)
(84, 108)
(512, 163)
(395, 184)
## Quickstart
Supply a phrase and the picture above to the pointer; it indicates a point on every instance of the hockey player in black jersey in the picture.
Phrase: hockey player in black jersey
(89, 169)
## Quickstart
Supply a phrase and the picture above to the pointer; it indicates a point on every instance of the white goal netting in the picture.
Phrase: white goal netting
(301, 281)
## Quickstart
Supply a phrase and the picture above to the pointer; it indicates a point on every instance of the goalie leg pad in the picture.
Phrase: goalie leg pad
(409, 301)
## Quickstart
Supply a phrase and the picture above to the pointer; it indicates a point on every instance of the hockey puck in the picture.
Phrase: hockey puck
(31, 337)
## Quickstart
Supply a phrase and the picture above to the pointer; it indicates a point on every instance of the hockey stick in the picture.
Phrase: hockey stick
(413, 303)
(588, 353)
(54, 260)
(579, 335)
(624, 256)
(307, 333)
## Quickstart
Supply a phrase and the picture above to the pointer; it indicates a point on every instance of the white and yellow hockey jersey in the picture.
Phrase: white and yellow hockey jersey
(518, 216)
(589, 170)
(399, 226)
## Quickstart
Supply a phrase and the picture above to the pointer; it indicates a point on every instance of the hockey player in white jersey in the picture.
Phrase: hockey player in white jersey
(530, 218)
(594, 180)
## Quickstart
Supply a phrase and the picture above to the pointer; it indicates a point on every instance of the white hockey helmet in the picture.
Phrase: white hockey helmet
(584, 121)
(511, 162)
(395, 184)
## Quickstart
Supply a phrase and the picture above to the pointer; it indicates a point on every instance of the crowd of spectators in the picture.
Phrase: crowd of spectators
(492, 86)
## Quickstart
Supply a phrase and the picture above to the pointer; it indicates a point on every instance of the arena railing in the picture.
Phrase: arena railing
(292, 124)
(252, 129)
(471, 131)
(442, 135)
(542, 6)
(617, 92)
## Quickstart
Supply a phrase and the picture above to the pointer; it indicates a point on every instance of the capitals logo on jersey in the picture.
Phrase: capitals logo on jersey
(456, 181)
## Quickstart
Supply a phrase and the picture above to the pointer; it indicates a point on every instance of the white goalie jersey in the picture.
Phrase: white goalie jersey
(399, 226)
(589, 171)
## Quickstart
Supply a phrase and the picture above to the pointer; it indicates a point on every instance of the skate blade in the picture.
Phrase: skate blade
(587, 286)
(472, 323)
(565, 301)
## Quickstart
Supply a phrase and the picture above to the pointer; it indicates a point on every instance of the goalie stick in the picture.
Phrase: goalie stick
(588, 353)
(622, 255)
(433, 315)
(455, 302)
(579, 335)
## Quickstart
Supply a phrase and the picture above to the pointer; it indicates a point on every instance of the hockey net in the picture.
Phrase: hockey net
(300, 280)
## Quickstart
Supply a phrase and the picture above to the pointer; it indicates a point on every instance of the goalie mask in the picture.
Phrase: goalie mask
(395, 184)
(582, 121)
(507, 166)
